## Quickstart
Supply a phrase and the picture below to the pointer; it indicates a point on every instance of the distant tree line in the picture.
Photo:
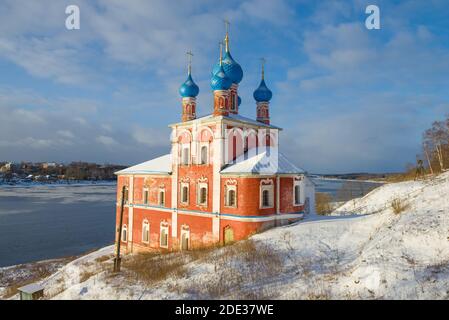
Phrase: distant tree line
(52, 171)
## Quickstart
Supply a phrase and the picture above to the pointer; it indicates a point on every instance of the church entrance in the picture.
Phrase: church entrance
(228, 235)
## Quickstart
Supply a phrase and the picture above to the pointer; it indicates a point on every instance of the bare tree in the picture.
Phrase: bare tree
(436, 141)
(427, 150)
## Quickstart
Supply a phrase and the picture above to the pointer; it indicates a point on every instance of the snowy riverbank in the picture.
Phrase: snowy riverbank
(363, 251)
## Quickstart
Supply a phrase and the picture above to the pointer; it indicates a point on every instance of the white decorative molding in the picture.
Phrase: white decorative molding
(184, 179)
(164, 223)
(267, 181)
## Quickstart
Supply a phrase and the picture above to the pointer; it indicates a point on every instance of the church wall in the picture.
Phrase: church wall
(123, 244)
(286, 196)
(154, 218)
(243, 230)
(153, 184)
(200, 230)
(192, 174)
(248, 197)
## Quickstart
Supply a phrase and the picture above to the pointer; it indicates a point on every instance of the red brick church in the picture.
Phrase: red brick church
(224, 179)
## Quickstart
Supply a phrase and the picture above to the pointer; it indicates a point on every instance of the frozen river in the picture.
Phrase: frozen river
(52, 221)
(43, 222)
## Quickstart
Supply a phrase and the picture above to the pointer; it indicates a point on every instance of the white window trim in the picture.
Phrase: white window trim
(185, 230)
(163, 227)
(185, 184)
(125, 230)
(270, 194)
(145, 222)
(201, 185)
(297, 183)
(230, 188)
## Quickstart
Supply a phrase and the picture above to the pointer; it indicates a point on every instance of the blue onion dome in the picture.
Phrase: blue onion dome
(189, 88)
(239, 101)
(262, 94)
(220, 81)
(232, 69)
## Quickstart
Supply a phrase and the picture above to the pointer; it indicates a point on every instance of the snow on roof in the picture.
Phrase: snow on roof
(248, 120)
(160, 165)
(239, 118)
(31, 288)
(265, 162)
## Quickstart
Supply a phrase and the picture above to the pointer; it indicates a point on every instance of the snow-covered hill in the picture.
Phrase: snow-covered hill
(363, 251)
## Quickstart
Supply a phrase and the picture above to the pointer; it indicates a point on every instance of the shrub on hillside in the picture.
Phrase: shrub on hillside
(398, 205)
(323, 203)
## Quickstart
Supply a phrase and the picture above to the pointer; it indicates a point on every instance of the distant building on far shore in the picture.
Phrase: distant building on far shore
(7, 167)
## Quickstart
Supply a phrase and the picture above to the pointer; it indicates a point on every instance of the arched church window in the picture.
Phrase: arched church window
(202, 194)
(266, 198)
(266, 195)
(185, 193)
(145, 231)
(161, 197)
(164, 236)
(204, 155)
(232, 198)
(185, 155)
(124, 233)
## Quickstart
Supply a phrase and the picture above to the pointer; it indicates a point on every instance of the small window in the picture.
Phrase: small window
(126, 195)
(265, 198)
(145, 231)
(203, 196)
(204, 155)
(161, 197)
(145, 196)
(231, 196)
(164, 237)
(184, 193)
(124, 233)
(185, 156)
(297, 194)
(185, 238)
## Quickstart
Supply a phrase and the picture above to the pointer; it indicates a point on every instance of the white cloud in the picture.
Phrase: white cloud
(151, 137)
(107, 141)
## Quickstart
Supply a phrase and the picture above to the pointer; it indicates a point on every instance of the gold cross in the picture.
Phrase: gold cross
(263, 67)
(227, 23)
(189, 58)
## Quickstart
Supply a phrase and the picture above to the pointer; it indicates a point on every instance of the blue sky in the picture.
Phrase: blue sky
(348, 98)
